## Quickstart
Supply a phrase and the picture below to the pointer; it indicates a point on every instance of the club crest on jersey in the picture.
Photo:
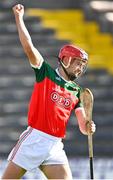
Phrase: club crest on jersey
(59, 99)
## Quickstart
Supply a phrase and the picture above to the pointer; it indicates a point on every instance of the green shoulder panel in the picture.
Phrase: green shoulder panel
(79, 103)
(40, 73)
(47, 71)
(74, 88)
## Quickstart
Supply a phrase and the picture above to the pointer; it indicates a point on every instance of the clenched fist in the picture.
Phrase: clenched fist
(18, 10)
(91, 127)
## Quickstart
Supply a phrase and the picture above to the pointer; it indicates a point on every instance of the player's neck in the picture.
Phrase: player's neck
(63, 74)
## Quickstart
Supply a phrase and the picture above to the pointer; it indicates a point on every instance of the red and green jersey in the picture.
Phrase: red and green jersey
(52, 101)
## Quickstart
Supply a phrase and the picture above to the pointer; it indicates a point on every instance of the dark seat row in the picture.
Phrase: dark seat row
(101, 11)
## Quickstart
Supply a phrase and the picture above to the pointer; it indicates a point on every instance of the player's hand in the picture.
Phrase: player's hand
(18, 10)
(91, 127)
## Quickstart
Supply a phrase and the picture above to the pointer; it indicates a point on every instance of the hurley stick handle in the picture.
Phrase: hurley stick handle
(90, 145)
(87, 101)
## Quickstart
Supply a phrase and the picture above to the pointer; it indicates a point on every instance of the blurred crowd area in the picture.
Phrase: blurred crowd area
(51, 24)
(103, 169)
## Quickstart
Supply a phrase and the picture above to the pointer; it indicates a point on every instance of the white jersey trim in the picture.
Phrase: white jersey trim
(57, 71)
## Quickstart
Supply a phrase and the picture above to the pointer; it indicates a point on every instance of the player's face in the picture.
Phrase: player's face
(77, 67)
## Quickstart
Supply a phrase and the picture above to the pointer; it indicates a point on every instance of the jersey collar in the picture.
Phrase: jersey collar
(68, 83)
(57, 71)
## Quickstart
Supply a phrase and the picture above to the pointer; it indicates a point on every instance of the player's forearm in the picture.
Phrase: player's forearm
(24, 35)
(80, 114)
(86, 127)
(83, 126)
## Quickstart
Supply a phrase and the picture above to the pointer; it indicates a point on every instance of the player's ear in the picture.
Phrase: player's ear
(65, 60)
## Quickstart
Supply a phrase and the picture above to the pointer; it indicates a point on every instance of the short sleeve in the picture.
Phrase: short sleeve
(40, 72)
(79, 104)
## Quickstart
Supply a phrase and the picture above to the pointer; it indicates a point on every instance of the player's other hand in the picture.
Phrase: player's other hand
(91, 127)
(18, 10)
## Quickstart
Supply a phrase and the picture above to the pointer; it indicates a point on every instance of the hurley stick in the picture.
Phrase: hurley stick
(87, 100)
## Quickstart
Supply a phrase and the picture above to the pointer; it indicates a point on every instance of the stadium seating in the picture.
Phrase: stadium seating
(50, 30)
(101, 11)
(85, 34)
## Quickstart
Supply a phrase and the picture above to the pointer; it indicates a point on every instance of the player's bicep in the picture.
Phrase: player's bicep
(34, 57)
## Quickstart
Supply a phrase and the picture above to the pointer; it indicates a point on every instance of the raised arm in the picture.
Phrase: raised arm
(84, 125)
(32, 53)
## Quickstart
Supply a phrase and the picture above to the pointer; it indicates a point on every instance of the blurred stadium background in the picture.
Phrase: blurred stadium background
(53, 23)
